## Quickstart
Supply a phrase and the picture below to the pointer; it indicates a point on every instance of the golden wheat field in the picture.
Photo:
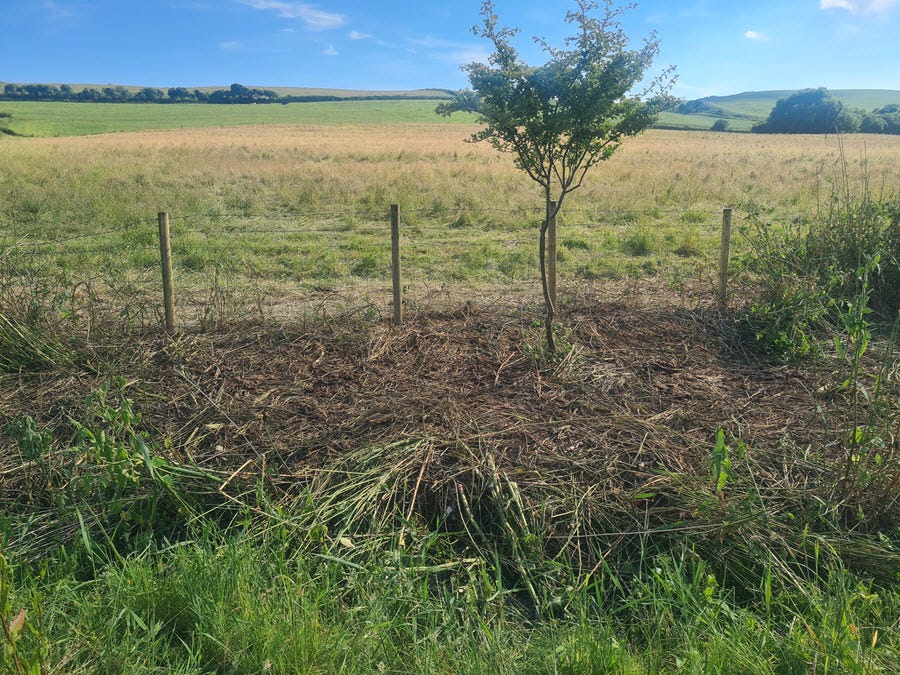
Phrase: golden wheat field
(308, 205)
(424, 166)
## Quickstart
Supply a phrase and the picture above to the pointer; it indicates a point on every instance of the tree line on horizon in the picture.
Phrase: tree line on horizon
(809, 111)
(235, 94)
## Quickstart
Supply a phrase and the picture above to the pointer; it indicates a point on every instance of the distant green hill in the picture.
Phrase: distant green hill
(742, 111)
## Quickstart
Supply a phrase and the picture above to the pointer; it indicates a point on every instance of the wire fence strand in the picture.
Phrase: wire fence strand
(347, 253)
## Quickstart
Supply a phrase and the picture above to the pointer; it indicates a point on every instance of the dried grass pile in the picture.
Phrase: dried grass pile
(458, 421)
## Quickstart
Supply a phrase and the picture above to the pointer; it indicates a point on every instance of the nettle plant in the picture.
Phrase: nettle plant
(562, 118)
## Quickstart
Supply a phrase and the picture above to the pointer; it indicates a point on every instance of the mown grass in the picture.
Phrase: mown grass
(130, 555)
(334, 580)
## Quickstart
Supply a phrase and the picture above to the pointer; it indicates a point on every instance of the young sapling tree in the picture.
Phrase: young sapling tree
(562, 118)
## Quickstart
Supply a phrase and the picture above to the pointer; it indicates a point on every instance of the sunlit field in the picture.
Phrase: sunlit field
(311, 203)
(42, 119)
(291, 480)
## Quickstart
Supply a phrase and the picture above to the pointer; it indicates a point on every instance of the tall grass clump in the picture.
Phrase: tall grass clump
(30, 314)
(25, 347)
(854, 233)
(830, 293)
(807, 278)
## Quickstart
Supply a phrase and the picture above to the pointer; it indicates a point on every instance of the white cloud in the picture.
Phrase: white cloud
(356, 35)
(331, 51)
(231, 46)
(315, 19)
(62, 14)
(756, 36)
(449, 51)
(860, 6)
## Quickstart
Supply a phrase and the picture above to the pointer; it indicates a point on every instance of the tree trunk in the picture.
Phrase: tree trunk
(548, 300)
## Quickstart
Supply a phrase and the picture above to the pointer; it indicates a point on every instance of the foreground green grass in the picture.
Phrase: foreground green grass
(245, 603)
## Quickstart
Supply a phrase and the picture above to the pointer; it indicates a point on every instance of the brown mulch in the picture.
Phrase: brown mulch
(645, 387)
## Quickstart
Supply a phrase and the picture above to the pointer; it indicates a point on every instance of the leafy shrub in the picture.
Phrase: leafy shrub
(807, 278)
(854, 233)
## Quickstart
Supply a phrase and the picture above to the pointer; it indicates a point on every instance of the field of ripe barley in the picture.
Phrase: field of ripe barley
(273, 215)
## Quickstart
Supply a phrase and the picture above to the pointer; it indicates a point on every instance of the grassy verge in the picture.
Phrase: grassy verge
(250, 604)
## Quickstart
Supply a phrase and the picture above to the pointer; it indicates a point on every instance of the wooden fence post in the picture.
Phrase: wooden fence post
(395, 264)
(165, 257)
(723, 258)
(551, 255)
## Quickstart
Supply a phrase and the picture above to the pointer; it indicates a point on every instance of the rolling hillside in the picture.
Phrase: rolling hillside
(742, 111)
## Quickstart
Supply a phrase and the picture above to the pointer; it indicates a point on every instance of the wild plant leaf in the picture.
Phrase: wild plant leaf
(145, 453)
(839, 347)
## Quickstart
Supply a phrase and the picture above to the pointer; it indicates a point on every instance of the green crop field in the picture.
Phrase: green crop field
(698, 122)
(741, 111)
(77, 119)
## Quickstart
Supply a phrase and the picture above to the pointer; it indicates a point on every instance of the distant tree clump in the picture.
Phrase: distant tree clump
(885, 120)
(148, 95)
(719, 125)
(236, 94)
(178, 94)
(810, 111)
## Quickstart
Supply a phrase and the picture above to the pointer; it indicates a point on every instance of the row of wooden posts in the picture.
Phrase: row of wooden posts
(165, 255)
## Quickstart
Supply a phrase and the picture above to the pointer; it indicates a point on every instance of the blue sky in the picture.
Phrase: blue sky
(719, 47)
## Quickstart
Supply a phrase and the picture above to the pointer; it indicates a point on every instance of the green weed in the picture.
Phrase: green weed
(637, 244)
(25, 647)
